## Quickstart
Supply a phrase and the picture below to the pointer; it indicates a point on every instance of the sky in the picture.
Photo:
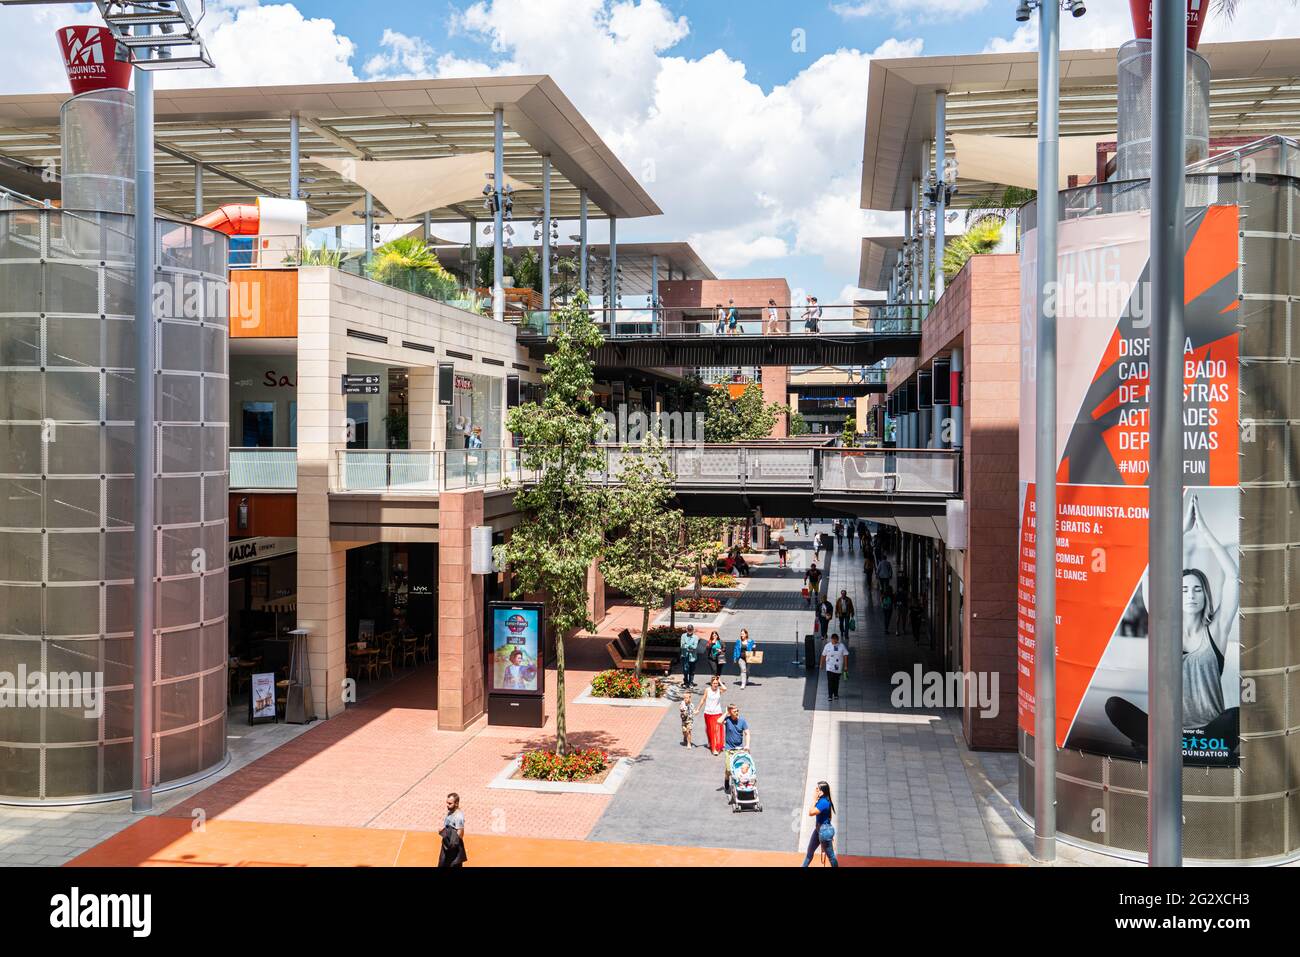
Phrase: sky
(744, 119)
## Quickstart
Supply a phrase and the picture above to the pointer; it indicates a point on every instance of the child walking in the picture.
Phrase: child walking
(688, 719)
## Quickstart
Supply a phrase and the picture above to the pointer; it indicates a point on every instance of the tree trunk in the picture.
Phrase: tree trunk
(699, 573)
(640, 648)
(561, 736)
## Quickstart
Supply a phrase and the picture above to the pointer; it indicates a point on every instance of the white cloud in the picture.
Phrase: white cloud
(908, 11)
(403, 57)
(29, 50)
(725, 249)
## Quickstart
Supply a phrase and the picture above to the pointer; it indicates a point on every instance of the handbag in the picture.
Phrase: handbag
(826, 833)
(853, 623)
(754, 657)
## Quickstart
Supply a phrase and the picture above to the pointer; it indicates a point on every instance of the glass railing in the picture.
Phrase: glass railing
(410, 470)
(263, 468)
(726, 468)
(753, 321)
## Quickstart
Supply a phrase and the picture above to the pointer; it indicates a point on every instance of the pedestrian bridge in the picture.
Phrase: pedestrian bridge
(780, 479)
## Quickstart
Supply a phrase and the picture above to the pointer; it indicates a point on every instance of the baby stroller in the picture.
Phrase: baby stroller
(742, 781)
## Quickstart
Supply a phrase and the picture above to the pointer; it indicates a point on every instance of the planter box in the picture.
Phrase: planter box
(588, 698)
(505, 780)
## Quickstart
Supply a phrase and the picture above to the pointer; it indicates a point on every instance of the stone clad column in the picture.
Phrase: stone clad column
(462, 690)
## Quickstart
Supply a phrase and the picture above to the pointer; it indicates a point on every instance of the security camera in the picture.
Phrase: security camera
(1022, 11)
(1077, 8)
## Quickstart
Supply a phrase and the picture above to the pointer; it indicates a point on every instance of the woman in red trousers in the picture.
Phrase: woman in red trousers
(711, 705)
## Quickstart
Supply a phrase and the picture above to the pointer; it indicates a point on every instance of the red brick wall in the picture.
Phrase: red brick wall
(749, 294)
(980, 313)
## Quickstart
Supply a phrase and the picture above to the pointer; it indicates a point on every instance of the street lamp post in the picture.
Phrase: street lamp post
(1168, 235)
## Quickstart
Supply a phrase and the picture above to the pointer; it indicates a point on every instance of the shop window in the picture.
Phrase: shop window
(258, 424)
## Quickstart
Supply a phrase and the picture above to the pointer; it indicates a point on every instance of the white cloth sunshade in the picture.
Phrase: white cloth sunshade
(1013, 160)
(410, 188)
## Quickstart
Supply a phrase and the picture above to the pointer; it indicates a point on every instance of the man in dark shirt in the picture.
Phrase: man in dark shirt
(812, 578)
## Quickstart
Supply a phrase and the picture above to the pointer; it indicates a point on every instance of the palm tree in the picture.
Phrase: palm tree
(1228, 8)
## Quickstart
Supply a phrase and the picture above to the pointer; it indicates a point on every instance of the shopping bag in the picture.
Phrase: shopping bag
(754, 658)
(804, 592)
(853, 623)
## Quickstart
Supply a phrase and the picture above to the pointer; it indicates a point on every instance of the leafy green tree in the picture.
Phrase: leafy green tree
(484, 267)
(704, 544)
(527, 271)
(746, 417)
(641, 560)
(564, 286)
(562, 535)
(798, 424)
(981, 236)
(410, 263)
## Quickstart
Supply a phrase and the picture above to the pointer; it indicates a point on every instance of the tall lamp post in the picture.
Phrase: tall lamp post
(1049, 93)
(157, 35)
(1165, 543)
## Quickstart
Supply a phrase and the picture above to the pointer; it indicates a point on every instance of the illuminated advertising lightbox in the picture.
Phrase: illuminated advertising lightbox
(516, 666)
(1103, 310)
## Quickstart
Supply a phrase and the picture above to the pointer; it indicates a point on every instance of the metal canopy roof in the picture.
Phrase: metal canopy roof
(1254, 90)
(244, 132)
(879, 253)
(634, 259)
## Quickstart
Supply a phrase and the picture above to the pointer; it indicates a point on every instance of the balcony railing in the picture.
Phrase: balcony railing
(657, 322)
(263, 468)
(774, 468)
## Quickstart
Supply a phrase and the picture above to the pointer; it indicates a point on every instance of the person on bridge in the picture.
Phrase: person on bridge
(812, 580)
(844, 613)
(733, 318)
(721, 327)
(773, 319)
(812, 315)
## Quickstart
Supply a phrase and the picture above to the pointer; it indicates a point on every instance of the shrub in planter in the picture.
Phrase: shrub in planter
(698, 605)
(718, 581)
(575, 766)
(664, 636)
(614, 683)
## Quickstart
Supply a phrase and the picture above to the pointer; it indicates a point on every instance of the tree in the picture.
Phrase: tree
(527, 271)
(798, 424)
(704, 544)
(981, 236)
(410, 263)
(555, 546)
(565, 284)
(849, 437)
(641, 560)
(746, 417)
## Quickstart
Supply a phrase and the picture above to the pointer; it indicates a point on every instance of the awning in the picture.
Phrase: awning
(409, 188)
(1013, 160)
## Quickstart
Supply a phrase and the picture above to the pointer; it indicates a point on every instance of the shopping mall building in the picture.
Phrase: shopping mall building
(972, 119)
(329, 435)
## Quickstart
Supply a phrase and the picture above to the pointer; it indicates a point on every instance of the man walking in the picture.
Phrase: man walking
(690, 651)
(885, 572)
(735, 737)
(834, 657)
(844, 612)
(812, 579)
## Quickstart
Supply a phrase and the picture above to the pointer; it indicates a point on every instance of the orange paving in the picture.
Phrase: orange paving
(384, 764)
(171, 842)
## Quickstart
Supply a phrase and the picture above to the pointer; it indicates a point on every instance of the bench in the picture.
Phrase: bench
(622, 651)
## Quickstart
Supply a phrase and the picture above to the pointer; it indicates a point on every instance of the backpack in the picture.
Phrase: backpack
(887, 601)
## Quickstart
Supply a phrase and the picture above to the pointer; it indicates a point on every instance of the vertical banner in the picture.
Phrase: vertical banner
(1103, 465)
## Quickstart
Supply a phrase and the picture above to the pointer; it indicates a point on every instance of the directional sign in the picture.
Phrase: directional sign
(360, 384)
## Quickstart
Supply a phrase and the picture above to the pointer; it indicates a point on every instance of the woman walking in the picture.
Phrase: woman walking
(452, 834)
(823, 834)
(717, 653)
(711, 705)
(740, 654)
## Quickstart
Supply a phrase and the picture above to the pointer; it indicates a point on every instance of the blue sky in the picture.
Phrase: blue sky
(750, 143)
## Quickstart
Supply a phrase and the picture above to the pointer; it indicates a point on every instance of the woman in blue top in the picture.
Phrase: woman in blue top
(823, 834)
(740, 655)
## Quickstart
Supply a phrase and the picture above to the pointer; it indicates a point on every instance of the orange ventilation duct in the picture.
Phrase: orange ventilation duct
(233, 220)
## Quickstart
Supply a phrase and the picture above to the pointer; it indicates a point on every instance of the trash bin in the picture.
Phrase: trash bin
(810, 652)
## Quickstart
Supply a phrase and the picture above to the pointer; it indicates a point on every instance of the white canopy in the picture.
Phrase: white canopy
(1013, 160)
(409, 188)
(354, 215)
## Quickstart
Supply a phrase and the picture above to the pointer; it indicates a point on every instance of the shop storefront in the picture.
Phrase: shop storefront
(263, 601)
(391, 586)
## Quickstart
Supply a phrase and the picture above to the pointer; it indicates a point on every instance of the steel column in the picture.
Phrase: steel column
(1049, 13)
(144, 539)
(293, 156)
(498, 220)
(1168, 237)
(198, 190)
(582, 240)
(941, 199)
(546, 236)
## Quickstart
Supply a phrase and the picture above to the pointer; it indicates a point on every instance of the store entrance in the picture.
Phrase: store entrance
(391, 612)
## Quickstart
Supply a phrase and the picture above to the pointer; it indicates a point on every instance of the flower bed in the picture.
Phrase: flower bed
(718, 581)
(664, 636)
(615, 683)
(575, 766)
(704, 606)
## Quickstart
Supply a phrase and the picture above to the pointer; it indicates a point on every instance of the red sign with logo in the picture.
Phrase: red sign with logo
(89, 56)
(1141, 11)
